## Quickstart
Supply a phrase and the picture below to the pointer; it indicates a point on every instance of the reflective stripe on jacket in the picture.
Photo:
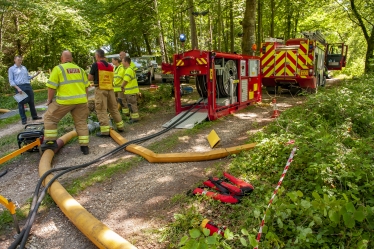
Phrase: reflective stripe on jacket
(70, 83)
(132, 84)
(119, 73)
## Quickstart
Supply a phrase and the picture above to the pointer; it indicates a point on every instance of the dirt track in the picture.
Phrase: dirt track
(138, 201)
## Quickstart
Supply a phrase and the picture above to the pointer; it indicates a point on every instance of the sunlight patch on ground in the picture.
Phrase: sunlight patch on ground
(156, 200)
(184, 139)
(114, 160)
(246, 115)
(255, 131)
(199, 148)
(105, 145)
(284, 105)
(47, 230)
(148, 132)
(165, 179)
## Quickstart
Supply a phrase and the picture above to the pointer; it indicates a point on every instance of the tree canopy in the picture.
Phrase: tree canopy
(40, 30)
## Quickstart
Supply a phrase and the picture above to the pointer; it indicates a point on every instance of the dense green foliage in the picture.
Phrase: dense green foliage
(40, 30)
(326, 199)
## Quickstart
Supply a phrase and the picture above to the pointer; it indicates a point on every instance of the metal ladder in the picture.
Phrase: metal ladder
(314, 36)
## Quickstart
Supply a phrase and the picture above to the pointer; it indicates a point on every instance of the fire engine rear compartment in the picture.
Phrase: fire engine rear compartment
(300, 62)
(225, 82)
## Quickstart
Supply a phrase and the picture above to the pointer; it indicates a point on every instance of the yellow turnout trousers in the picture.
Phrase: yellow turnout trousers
(105, 101)
(56, 112)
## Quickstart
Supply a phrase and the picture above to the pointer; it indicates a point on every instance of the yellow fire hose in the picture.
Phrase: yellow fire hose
(94, 229)
(4, 110)
(179, 157)
(91, 227)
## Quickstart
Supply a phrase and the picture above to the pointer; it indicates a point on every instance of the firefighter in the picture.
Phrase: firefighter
(122, 55)
(131, 88)
(119, 73)
(102, 75)
(70, 83)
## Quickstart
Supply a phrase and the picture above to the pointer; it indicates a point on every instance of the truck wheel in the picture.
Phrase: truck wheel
(295, 90)
(163, 80)
(271, 89)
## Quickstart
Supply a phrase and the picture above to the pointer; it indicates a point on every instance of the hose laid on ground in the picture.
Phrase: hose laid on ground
(38, 197)
(95, 230)
(152, 157)
(4, 110)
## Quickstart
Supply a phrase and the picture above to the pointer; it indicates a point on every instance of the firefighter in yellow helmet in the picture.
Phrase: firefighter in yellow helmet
(102, 75)
(70, 83)
(119, 73)
(131, 88)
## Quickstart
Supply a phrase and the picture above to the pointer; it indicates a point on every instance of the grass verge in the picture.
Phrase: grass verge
(8, 102)
(325, 200)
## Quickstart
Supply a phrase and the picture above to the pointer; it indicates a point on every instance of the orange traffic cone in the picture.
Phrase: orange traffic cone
(275, 109)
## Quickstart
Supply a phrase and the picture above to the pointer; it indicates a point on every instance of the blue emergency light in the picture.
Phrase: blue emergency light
(182, 38)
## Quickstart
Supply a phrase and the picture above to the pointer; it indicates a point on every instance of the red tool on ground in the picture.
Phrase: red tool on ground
(245, 187)
(213, 228)
(216, 196)
(228, 193)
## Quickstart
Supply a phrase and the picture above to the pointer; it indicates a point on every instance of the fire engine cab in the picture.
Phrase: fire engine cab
(300, 62)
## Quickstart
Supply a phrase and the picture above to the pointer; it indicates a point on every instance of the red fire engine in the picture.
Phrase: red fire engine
(300, 62)
(225, 82)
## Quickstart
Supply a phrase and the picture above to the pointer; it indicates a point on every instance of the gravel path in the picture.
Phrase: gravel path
(138, 201)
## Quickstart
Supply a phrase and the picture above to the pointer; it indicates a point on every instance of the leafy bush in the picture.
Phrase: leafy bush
(326, 199)
(152, 101)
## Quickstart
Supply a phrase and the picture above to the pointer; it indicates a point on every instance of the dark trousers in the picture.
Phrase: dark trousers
(30, 100)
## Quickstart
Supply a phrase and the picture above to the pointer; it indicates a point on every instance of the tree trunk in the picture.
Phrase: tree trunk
(249, 27)
(175, 42)
(288, 27)
(210, 32)
(18, 41)
(1, 30)
(161, 36)
(369, 60)
(194, 42)
(146, 40)
(219, 26)
(226, 35)
(296, 23)
(369, 39)
(137, 46)
(259, 24)
(272, 9)
(232, 48)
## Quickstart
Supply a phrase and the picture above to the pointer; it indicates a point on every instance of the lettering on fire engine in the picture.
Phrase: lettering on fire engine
(73, 70)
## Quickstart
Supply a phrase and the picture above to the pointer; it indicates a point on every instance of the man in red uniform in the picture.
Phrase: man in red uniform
(102, 75)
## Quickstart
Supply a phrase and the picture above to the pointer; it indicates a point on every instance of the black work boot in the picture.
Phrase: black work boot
(49, 145)
(85, 150)
(99, 134)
